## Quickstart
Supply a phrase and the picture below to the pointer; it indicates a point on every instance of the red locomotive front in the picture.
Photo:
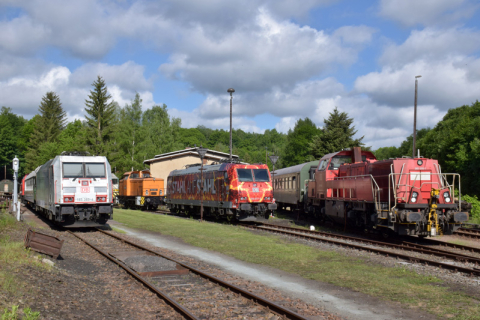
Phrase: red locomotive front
(236, 191)
(404, 195)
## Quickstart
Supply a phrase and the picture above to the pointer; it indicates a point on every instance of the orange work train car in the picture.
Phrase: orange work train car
(138, 189)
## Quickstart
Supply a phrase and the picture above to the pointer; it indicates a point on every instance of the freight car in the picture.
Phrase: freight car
(72, 190)
(138, 189)
(289, 184)
(239, 192)
(404, 196)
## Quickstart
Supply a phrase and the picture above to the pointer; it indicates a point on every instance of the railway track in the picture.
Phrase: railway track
(470, 264)
(468, 233)
(193, 293)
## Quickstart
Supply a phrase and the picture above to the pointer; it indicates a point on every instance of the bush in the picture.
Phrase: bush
(475, 212)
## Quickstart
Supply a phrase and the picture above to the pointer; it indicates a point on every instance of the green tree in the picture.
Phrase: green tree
(387, 153)
(131, 135)
(10, 126)
(298, 140)
(162, 131)
(52, 119)
(100, 119)
(455, 142)
(46, 127)
(337, 134)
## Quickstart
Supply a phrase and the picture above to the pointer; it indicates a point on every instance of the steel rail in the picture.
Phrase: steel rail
(469, 271)
(272, 306)
(404, 246)
(183, 311)
(447, 244)
(467, 233)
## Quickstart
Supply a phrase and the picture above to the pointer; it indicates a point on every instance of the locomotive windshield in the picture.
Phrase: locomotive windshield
(73, 170)
(338, 161)
(95, 170)
(83, 170)
(261, 175)
(245, 175)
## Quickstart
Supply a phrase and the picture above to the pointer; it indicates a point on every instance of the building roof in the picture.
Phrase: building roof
(211, 155)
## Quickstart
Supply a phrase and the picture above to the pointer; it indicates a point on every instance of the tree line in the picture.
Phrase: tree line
(128, 135)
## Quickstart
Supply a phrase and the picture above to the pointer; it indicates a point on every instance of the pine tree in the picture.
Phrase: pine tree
(47, 127)
(131, 135)
(100, 118)
(337, 134)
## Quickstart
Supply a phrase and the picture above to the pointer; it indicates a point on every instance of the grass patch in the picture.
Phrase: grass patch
(14, 314)
(394, 284)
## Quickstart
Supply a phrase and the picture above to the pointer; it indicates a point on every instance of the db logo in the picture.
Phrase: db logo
(85, 189)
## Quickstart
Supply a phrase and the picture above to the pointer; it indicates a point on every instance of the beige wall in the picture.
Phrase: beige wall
(161, 169)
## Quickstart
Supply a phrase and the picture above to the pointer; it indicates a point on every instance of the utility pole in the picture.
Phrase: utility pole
(231, 90)
(415, 117)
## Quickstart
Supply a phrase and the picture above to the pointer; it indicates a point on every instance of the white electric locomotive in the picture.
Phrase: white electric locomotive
(73, 190)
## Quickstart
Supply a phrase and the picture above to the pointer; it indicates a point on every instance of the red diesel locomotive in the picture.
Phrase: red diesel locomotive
(403, 195)
(237, 191)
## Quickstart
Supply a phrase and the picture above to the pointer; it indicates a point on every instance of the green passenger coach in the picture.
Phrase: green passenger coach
(290, 184)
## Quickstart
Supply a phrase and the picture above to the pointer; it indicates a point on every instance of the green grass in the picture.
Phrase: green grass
(13, 314)
(394, 284)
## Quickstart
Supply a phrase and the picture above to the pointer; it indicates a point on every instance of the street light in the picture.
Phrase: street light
(415, 116)
(201, 152)
(231, 90)
(274, 160)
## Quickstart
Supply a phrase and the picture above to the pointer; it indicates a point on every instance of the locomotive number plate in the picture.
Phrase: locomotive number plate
(85, 190)
(255, 190)
(84, 200)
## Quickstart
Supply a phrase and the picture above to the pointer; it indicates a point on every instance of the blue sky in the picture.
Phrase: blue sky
(286, 59)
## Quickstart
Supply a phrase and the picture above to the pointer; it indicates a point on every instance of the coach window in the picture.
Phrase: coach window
(72, 170)
(95, 170)
(294, 182)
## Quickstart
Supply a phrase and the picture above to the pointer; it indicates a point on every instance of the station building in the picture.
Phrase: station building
(161, 165)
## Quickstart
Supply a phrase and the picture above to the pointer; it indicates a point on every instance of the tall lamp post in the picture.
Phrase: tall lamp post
(274, 160)
(415, 116)
(201, 152)
(231, 90)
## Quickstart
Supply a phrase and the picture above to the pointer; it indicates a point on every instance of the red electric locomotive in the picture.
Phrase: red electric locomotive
(403, 195)
(237, 191)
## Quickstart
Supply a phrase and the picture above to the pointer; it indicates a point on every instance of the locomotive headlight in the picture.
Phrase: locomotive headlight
(419, 162)
(446, 196)
(414, 196)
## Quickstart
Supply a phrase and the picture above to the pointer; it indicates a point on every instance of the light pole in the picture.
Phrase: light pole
(201, 152)
(274, 160)
(231, 90)
(415, 117)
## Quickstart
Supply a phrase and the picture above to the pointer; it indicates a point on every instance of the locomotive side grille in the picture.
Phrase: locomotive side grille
(100, 189)
(69, 189)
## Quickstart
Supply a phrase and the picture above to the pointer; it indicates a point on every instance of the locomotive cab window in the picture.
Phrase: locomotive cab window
(323, 165)
(261, 175)
(337, 161)
(72, 170)
(244, 175)
(134, 175)
(146, 175)
(95, 170)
